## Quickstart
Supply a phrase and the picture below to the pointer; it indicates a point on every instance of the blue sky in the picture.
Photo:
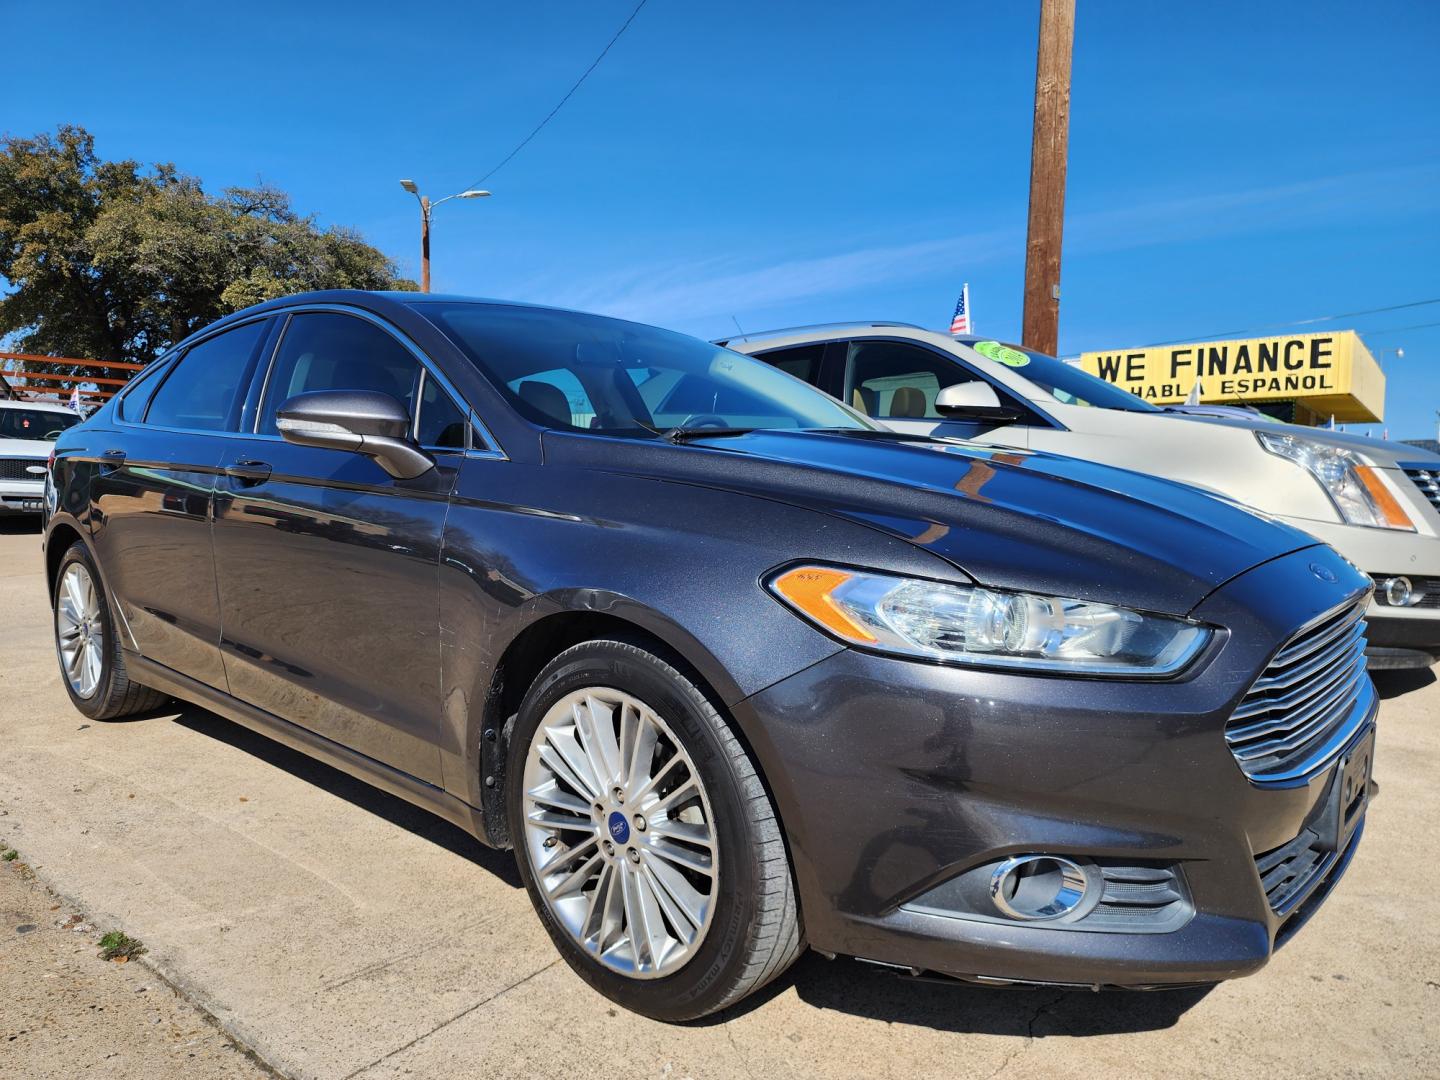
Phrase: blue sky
(1232, 164)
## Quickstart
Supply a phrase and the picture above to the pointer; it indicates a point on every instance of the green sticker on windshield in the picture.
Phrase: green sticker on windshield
(1001, 354)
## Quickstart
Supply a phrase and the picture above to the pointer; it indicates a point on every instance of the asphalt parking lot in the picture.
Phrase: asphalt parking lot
(336, 932)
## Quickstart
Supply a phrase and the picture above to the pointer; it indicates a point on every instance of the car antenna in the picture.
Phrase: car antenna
(737, 325)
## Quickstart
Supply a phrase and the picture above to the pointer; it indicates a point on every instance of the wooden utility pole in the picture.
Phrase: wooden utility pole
(1041, 321)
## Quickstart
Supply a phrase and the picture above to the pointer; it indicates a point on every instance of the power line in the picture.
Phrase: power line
(1399, 329)
(568, 94)
(1297, 322)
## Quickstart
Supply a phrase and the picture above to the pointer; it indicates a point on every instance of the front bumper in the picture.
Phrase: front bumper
(895, 778)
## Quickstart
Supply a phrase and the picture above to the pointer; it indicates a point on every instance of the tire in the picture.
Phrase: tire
(101, 688)
(750, 931)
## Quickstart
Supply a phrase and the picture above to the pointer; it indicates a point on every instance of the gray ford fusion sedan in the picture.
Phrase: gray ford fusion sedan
(732, 671)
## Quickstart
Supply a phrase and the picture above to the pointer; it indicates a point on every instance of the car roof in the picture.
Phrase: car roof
(43, 406)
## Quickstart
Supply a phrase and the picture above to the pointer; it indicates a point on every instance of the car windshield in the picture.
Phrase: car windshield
(41, 425)
(1066, 384)
(587, 372)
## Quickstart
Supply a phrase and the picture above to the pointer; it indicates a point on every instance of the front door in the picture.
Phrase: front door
(327, 566)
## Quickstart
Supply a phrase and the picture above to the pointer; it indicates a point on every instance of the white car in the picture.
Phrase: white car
(28, 429)
(1377, 503)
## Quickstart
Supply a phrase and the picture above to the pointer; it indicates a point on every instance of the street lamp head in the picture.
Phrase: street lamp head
(1399, 354)
(409, 185)
(473, 193)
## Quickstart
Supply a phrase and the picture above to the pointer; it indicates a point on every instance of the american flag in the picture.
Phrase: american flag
(960, 323)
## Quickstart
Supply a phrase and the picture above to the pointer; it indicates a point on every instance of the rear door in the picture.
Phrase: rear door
(327, 566)
(152, 493)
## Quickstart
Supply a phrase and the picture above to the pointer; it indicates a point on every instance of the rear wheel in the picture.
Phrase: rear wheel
(645, 838)
(91, 663)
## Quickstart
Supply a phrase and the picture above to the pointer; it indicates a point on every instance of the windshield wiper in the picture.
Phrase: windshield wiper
(685, 434)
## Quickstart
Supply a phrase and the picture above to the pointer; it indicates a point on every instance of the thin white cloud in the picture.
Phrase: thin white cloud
(746, 282)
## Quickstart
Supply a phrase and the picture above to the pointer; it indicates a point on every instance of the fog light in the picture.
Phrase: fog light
(1037, 887)
(1398, 592)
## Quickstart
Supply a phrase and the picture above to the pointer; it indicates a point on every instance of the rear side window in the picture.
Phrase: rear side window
(138, 394)
(201, 392)
(803, 361)
(324, 350)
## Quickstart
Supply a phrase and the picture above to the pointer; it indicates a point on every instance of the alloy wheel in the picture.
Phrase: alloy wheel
(79, 630)
(619, 832)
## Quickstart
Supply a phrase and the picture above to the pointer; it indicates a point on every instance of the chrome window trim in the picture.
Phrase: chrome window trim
(491, 450)
(426, 365)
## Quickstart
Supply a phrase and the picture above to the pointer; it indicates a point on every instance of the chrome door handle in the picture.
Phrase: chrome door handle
(249, 473)
(110, 460)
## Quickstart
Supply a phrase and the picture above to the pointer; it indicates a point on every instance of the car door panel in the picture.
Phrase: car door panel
(327, 572)
(151, 492)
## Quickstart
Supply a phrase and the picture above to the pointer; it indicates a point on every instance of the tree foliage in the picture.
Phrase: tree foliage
(111, 260)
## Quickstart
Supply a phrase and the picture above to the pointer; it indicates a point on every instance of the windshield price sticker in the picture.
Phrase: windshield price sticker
(1001, 354)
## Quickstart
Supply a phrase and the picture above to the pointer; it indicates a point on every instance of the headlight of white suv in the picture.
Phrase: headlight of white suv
(968, 624)
(1356, 489)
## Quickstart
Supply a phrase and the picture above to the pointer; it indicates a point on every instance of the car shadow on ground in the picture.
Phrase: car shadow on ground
(841, 985)
(1391, 684)
(859, 989)
(20, 524)
(382, 804)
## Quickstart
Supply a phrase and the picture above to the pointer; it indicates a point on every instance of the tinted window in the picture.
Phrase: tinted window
(323, 350)
(563, 369)
(441, 421)
(138, 394)
(42, 425)
(803, 361)
(200, 391)
(899, 381)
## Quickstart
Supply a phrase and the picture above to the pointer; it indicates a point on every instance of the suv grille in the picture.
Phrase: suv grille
(1427, 480)
(15, 469)
(1307, 702)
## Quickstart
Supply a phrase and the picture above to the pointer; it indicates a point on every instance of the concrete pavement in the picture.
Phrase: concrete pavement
(339, 933)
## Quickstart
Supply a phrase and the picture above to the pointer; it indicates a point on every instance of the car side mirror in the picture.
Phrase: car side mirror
(365, 421)
(974, 401)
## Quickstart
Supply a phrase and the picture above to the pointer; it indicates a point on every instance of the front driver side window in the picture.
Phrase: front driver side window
(893, 380)
(324, 350)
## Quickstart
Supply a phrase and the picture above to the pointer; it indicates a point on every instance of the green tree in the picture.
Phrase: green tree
(114, 261)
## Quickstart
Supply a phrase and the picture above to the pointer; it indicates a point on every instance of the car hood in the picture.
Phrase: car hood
(26, 448)
(1007, 518)
(1380, 452)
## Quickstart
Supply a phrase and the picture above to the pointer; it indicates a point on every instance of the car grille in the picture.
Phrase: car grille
(1312, 696)
(1288, 873)
(1427, 480)
(15, 469)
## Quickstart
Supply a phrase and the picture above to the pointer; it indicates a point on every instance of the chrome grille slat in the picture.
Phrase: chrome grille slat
(1308, 701)
(1427, 480)
(1307, 732)
(1303, 678)
(1311, 641)
(1312, 696)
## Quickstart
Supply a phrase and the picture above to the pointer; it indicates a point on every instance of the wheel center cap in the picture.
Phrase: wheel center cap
(618, 827)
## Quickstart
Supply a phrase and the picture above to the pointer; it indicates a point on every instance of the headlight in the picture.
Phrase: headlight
(967, 624)
(1356, 489)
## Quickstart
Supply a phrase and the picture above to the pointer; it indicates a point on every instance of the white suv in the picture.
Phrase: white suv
(1377, 503)
(28, 429)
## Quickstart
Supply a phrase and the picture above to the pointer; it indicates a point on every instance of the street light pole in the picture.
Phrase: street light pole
(426, 206)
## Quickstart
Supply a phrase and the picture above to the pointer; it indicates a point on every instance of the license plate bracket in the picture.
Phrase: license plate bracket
(1348, 796)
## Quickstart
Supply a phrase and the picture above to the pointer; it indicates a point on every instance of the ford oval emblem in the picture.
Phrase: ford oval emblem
(1324, 573)
(619, 827)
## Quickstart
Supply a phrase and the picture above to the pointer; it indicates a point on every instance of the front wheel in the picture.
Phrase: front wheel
(645, 838)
